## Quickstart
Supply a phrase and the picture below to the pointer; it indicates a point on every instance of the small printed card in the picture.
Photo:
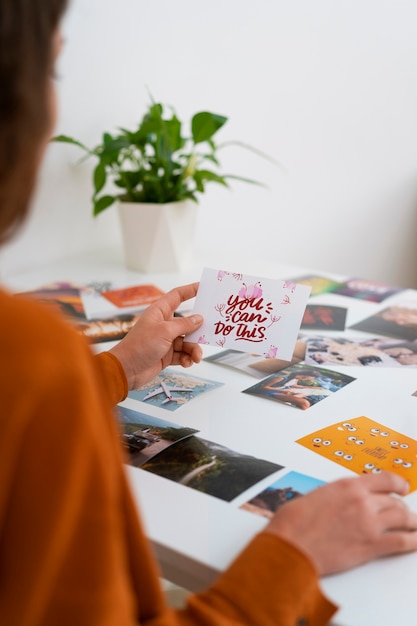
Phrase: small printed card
(398, 320)
(137, 296)
(366, 447)
(172, 389)
(103, 300)
(250, 314)
(145, 436)
(324, 317)
(284, 489)
(366, 290)
(318, 284)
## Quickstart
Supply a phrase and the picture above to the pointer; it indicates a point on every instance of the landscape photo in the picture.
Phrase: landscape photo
(145, 436)
(290, 486)
(210, 468)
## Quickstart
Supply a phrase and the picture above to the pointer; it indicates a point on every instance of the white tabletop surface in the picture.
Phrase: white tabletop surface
(196, 535)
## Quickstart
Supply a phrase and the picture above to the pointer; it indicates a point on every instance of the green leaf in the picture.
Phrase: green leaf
(198, 183)
(115, 144)
(210, 157)
(130, 179)
(245, 180)
(155, 110)
(246, 146)
(154, 162)
(67, 139)
(204, 125)
(100, 204)
(174, 131)
(146, 132)
(207, 175)
(99, 177)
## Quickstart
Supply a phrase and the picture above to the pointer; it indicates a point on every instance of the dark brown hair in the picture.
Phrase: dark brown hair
(27, 28)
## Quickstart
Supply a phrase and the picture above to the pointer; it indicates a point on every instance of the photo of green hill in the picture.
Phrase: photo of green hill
(210, 467)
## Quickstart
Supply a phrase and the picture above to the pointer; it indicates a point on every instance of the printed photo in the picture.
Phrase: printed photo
(253, 364)
(283, 490)
(172, 389)
(318, 284)
(104, 299)
(210, 468)
(108, 329)
(324, 317)
(395, 321)
(356, 352)
(68, 299)
(367, 290)
(137, 296)
(402, 352)
(300, 386)
(145, 436)
(62, 297)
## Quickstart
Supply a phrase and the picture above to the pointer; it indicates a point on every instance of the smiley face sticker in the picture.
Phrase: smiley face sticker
(366, 447)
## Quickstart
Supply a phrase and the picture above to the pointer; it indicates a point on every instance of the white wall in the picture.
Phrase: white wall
(328, 87)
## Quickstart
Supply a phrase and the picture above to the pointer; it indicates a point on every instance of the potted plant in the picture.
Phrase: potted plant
(157, 174)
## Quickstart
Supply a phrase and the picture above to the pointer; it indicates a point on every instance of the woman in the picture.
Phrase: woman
(72, 549)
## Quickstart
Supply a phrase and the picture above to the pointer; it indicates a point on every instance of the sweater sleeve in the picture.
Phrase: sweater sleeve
(62, 523)
(72, 548)
(114, 380)
(270, 583)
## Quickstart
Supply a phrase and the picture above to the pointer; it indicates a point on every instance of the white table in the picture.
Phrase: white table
(194, 535)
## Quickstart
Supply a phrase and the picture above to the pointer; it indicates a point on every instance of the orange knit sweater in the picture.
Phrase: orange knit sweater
(72, 550)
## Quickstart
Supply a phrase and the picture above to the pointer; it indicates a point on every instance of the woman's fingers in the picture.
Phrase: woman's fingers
(385, 482)
(394, 514)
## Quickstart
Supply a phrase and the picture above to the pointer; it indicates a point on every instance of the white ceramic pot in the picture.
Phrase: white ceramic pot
(158, 237)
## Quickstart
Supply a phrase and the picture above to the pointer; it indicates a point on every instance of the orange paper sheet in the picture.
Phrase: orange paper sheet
(138, 295)
(365, 446)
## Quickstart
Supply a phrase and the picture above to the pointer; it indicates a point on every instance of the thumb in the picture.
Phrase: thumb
(187, 325)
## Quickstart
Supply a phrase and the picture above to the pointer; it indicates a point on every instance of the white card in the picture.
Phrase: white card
(250, 314)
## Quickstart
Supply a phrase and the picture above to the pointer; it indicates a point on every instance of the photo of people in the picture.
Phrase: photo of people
(402, 352)
(291, 485)
(375, 352)
(300, 386)
(395, 321)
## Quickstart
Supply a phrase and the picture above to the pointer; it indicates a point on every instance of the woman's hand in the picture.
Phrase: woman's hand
(349, 522)
(157, 339)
